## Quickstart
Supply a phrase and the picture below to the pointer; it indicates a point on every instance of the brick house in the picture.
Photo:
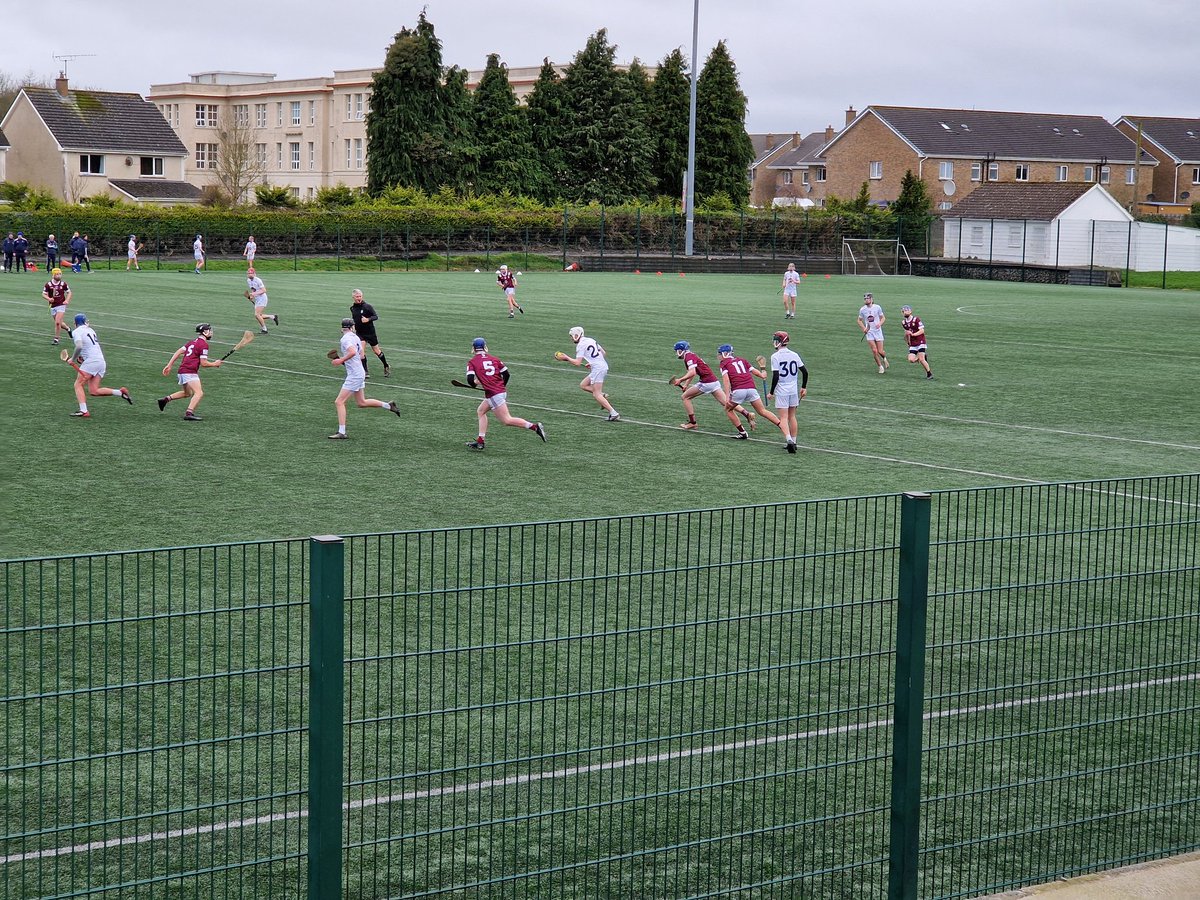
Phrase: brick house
(1175, 144)
(79, 144)
(956, 150)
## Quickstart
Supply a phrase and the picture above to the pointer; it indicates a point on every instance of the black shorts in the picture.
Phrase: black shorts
(368, 337)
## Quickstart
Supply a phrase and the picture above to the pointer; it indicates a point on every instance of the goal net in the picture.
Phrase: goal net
(874, 256)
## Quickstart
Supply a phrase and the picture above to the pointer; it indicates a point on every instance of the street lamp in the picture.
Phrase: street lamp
(690, 180)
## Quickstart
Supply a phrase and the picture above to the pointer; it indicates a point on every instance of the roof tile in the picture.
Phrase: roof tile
(103, 120)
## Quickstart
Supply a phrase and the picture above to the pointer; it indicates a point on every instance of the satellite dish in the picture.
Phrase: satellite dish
(1185, 195)
(808, 189)
(948, 188)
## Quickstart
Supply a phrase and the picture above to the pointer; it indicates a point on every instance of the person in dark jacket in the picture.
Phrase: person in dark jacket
(20, 251)
(8, 252)
(51, 253)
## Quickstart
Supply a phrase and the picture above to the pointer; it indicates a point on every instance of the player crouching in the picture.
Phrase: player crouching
(91, 367)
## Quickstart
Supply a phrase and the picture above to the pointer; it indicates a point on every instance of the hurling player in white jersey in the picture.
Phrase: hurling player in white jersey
(91, 364)
(350, 355)
(588, 352)
(791, 278)
(870, 320)
(789, 385)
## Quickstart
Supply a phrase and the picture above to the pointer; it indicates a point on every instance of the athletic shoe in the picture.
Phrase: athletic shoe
(395, 407)
(512, 315)
(520, 309)
(613, 416)
(124, 392)
(928, 374)
(752, 418)
(791, 448)
(886, 364)
(80, 414)
(741, 436)
(881, 370)
(474, 445)
(540, 431)
(688, 426)
(55, 341)
(190, 416)
(162, 403)
(338, 436)
(387, 371)
(366, 374)
(262, 331)
(276, 318)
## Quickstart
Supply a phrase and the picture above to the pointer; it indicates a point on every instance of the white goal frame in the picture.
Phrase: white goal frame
(875, 256)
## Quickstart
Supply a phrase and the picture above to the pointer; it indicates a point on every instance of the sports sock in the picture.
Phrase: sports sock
(83, 407)
(692, 419)
(341, 429)
(383, 358)
(741, 429)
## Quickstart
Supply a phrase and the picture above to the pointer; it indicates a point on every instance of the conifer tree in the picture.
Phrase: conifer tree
(913, 210)
(670, 107)
(544, 109)
(723, 149)
(507, 158)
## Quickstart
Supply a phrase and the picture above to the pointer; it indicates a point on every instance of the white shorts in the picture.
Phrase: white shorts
(875, 334)
(744, 395)
(260, 301)
(189, 378)
(250, 257)
(199, 254)
(132, 254)
(913, 351)
(354, 383)
(55, 310)
(786, 398)
(596, 374)
(510, 291)
(709, 387)
(789, 291)
(94, 367)
(497, 400)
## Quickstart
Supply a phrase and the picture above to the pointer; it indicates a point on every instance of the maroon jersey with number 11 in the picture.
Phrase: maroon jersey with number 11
(738, 371)
(488, 372)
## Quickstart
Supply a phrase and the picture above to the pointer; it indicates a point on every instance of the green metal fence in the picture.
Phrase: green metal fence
(918, 696)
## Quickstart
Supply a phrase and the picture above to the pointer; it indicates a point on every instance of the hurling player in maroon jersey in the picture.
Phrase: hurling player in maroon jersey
(508, 284)
(488, 373)
(57, 293)
(737, 377)
(195, 358)
(914, 331)
(707, 384)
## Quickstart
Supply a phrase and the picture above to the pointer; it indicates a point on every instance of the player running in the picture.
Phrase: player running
(491, 375)
(588, 352)
(737, 378)
(786, 365)
(256, 293)
(791, 278)
(508, 283)
(914, 331)
(198, 253)
(365, 317)
(707, 384)
(195, 358)
(350, 354)
(91, 364)
(57, 293)
(870, 321)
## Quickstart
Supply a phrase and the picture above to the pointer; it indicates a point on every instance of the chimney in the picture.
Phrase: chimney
(770, 140)
(829, 133)
(851, 115)
(60, 84)
(795, 139)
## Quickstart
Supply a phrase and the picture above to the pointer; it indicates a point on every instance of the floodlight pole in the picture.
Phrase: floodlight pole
(690, 185)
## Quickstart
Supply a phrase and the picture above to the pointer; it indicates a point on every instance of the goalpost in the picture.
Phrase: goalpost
(875, 256)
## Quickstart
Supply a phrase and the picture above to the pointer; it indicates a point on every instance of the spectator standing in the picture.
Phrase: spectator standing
(20, 251)
(51, 253)
(8, 252)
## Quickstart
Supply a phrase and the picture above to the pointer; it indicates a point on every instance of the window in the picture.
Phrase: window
(1064, 173)
(358, 153)
(1089, 173)
(804, 176)
(1105, 174)
(945, 171)
(820, 173)
(312, 193)
(91, 164)
(1014, 237)
(349, 106)
(279, 114)
(945, 204)
(1021, 173)
(278, 155)
(294, 154)
(976, 235)
(312, 112)
(152, 165)
(976, 171)
(993, 171)
(170, 112)
(358, 106)
(1196, 176)
(312, 156)
(295, 118)
(1131, 175)
(876, 169)
(260, 115)
(348, 157)
(295, 192)
(787, 176)
(206, 115)
(206, 156)
(260, 154)
(241, 114)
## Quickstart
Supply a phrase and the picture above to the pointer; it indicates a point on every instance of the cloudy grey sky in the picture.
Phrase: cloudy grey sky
(801, 64)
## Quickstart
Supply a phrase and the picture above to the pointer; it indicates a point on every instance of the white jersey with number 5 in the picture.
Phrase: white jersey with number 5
(354, 366)
(787, 363)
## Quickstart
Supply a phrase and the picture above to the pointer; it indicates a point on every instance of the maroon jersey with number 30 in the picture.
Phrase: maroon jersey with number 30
(488, 372)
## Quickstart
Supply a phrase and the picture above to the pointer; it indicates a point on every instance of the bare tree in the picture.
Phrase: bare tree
(241, 160)
(10, 86)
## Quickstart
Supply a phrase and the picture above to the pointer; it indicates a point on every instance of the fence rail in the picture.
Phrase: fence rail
(932, 695)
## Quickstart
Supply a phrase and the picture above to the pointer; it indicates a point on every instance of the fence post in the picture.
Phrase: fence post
(526, 249)
(448, 226)
(907, 712)
(564, 239)
(637, 241)
(774, 234)
(380, 248)
(601, 237)
(326, 667)
(295, 250)
(1166, 248)
(338, 229)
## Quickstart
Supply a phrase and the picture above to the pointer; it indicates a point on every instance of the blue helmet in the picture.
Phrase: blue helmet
(479, 343)
(682, 345)
(80, 319)
(725, 348)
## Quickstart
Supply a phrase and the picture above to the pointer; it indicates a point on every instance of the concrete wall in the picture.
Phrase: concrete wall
(33, 155)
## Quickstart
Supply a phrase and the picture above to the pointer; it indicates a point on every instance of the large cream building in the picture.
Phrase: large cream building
(308, 133)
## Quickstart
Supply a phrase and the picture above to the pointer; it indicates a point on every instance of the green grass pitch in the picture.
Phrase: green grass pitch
(1032, 383)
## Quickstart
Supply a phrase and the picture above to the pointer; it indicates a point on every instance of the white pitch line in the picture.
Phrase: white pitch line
(650, 759)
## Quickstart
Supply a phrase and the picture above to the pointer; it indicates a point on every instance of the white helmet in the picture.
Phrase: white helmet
(576, 333)
(504, 268)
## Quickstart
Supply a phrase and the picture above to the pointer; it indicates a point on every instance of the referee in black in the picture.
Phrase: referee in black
(365, 317)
